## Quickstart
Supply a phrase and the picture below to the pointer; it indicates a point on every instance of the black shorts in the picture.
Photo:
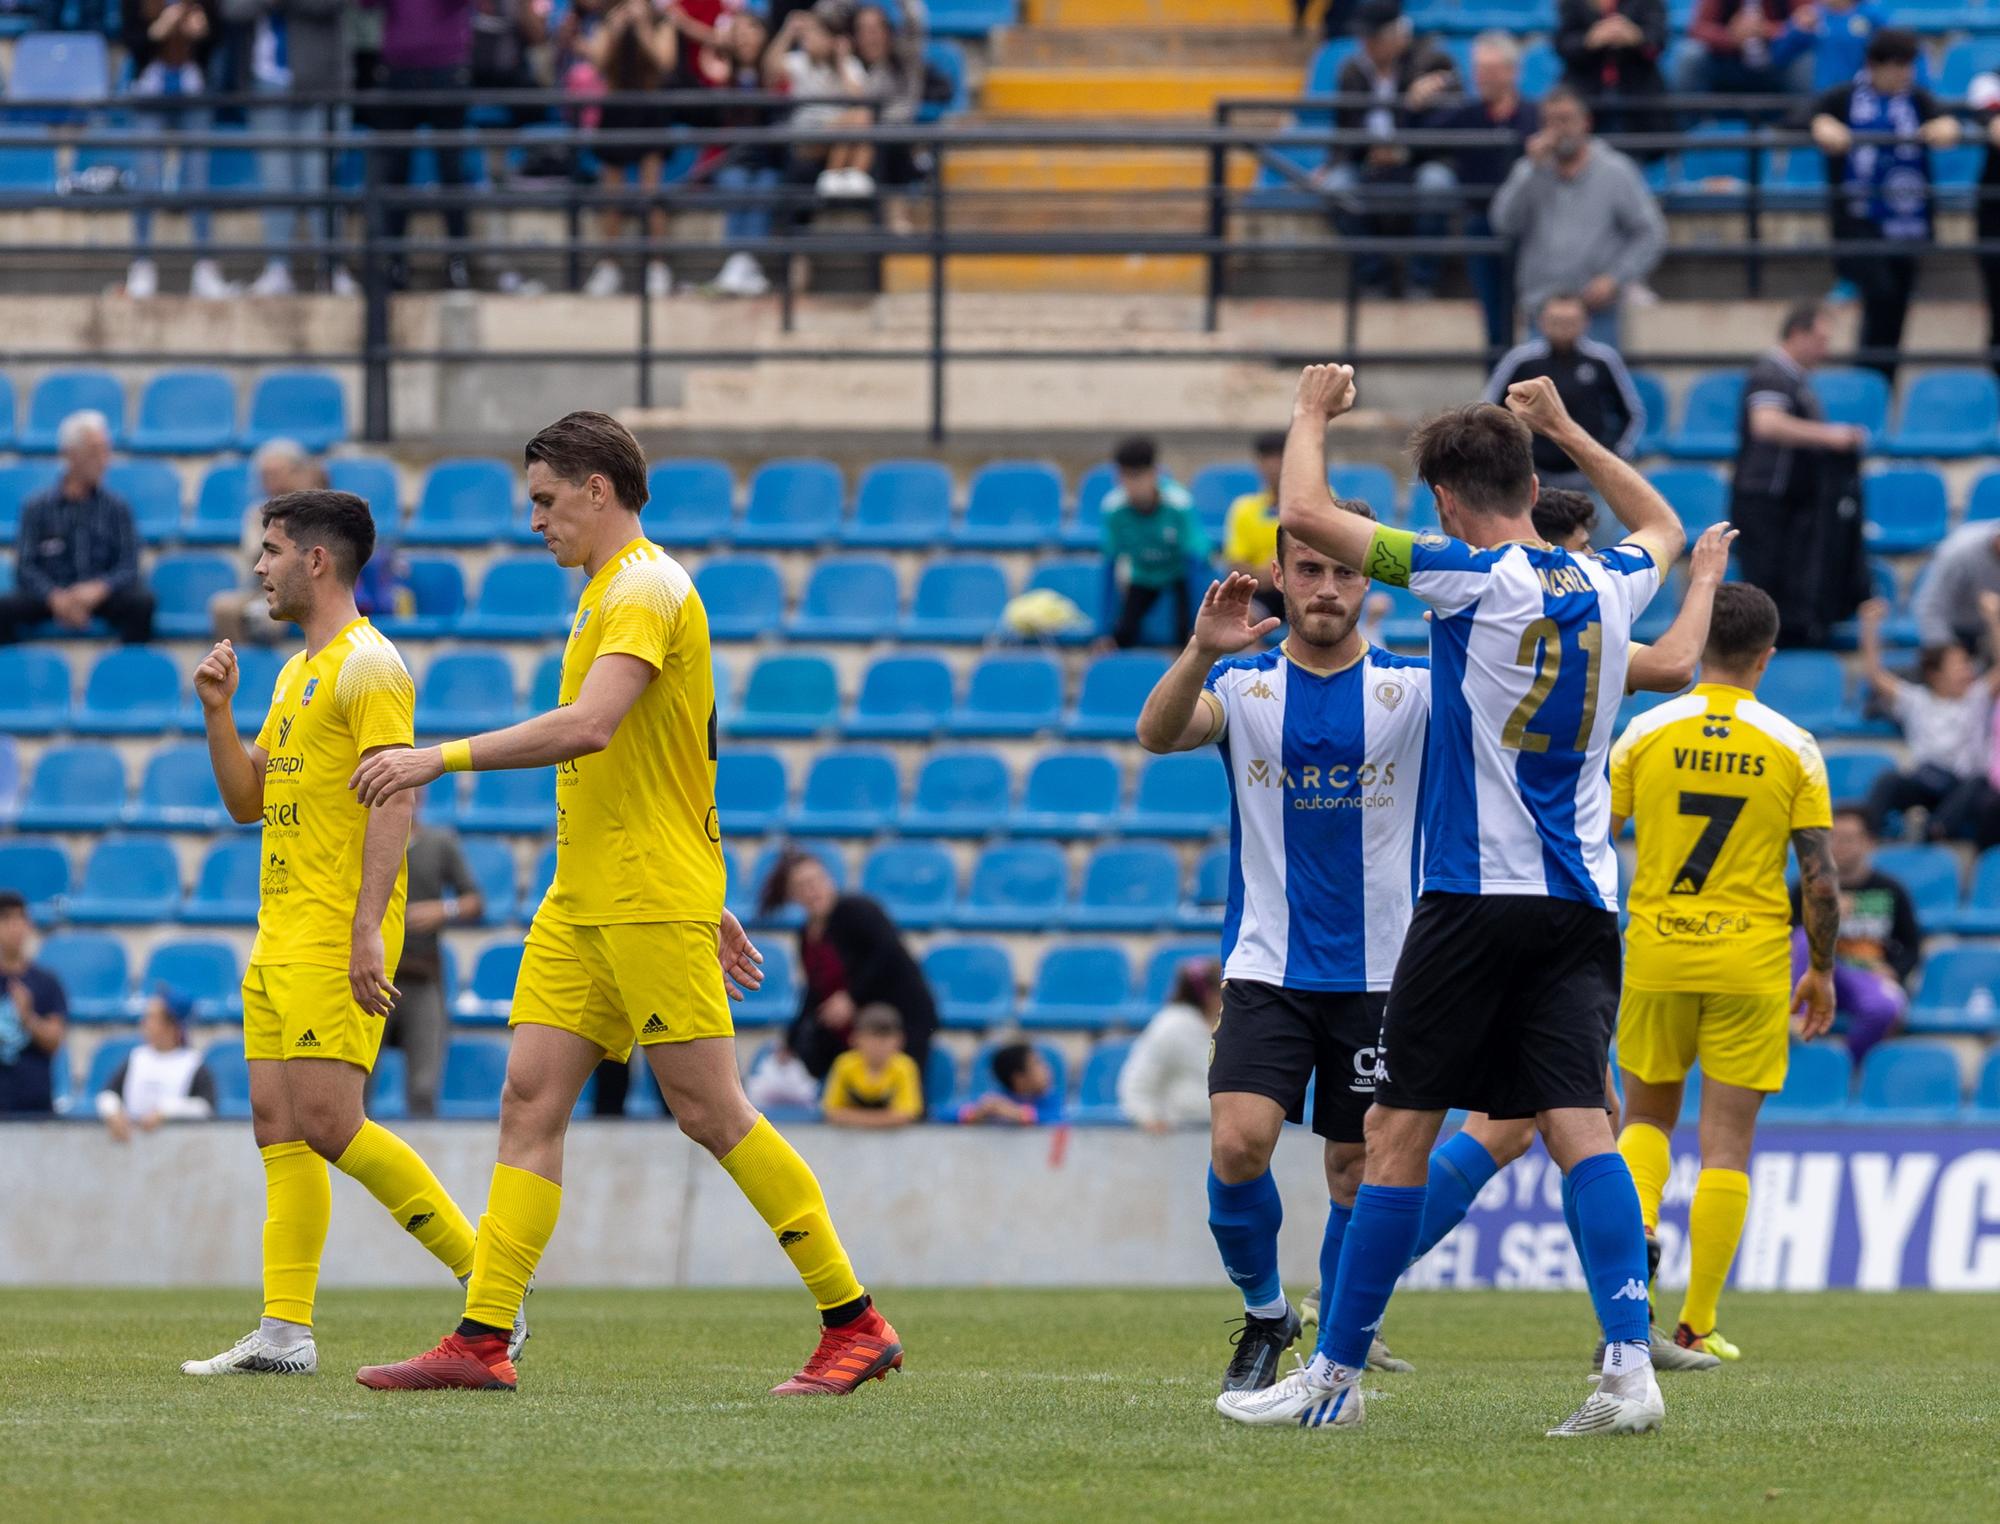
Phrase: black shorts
(1503, 1004)
(1272, 1041)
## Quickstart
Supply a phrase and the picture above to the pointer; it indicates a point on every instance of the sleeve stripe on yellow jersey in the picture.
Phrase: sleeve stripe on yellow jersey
(1685, 707)
(372, 663)
(1793, 737)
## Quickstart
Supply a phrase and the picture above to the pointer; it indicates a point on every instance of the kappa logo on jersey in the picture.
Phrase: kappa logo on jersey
(1631, 1291)
(306, 1039)
(653, 1025)
(285, 729)
(1259, 690)
(312, 687)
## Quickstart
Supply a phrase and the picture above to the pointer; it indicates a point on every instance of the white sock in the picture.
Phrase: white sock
(283, 1334)
(1624, 1356)
(1321, 1371)
(1269, 1309)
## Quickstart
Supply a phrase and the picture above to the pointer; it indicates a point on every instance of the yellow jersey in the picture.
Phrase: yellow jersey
(354, 696)
(1250, 532)
(897, 1088)
(637, 837)
(1715, 783)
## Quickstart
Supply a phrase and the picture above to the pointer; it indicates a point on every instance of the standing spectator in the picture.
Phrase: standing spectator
(874, 1083)
(1581, 216)
(168, 46)
(1882, 191)
(1835, 34)
(892, 68)
(1962, 571)
(1164, 1083)
(426, 49)
(1023, 1092)
(634, 53)
(1150, 525)
(78, 552)
(745, 169)
(1792, 478)
(442, 892)
(817, 67)
(1947, 719)
(244, 612)
(1879, 941)
(1250, 532)
(33, 1017)
(1590, 378)
(1611, 58)
(161, 1080)
(296, 47)
(702, 27)
(505, 37)
(1734, 50)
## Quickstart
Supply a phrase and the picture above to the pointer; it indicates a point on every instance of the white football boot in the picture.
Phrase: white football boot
(1299, 1402)
(1628, 1403)
(255, 1355)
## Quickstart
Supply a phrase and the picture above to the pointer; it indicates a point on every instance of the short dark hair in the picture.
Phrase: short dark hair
(1561, 511)
(1136, 454)
(338, 522)
(1801, 316)
(1353, 505)
(1270, 442)
(1563, 296)
(1011, 1062)
(1855, 812)
(13, 902)
(879, 1017)
(1482, 454)
(578, 446)
(1742, 626)
(1562, 92)
(1893, 45)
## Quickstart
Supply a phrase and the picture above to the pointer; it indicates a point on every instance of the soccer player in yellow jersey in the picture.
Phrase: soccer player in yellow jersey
(632, 942)
(329, 919)
(1719, 786)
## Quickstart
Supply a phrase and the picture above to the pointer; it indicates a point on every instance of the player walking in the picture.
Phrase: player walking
(329, 920)
(1323, 740)
(1719, 785)
(625, 944)
(1501, 999)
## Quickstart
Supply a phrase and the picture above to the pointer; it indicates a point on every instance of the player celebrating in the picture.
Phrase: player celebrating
(625, 944)
(1718, 784)
(1501, 998)
(329, 919)
(1323, 739)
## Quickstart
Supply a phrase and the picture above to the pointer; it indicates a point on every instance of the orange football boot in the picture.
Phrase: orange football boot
(479, 1365)
(865, 1350)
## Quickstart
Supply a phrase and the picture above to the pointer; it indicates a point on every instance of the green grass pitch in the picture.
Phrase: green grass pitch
(1047, 1405)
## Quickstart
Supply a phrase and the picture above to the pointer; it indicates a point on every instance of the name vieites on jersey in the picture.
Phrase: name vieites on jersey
(1696, 759)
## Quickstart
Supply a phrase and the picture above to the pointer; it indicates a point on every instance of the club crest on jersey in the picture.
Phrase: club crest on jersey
(1389, 695)
(312, 687)
(1430, 539)
(1716, 726)
(582, 619)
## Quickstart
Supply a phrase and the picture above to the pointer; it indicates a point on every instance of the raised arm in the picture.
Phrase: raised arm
(1871, 615)
(1177, 717)
(239, 769)
(1649, 520)
(1306, 508)
(1668, 665)
(1819, 913)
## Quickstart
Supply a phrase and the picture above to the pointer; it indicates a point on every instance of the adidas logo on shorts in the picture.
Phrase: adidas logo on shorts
(653, 1025)
(418, 1221)
(306, 1039)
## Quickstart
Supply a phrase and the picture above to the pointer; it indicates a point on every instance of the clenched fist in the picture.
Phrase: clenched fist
(1537, 404)
(215, 679)
(1325, 392)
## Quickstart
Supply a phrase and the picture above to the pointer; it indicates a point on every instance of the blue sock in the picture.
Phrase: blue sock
(1612, 1237)
(1379, 1238)
(1575, 1227)
(1337, 1219)
(1460, 1168)
(1244, 1219)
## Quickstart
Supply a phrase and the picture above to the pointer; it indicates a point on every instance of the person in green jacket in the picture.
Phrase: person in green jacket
(1150, 525)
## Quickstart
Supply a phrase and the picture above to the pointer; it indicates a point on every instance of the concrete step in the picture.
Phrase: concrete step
(1075, 169)
(1156, 274)
(1127, 92)
(1127, 48)
(1200, 14)
(1052, 213)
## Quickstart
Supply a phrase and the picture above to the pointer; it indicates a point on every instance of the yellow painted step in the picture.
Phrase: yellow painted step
(1127, 92)
(1161, 13)
(1152, 274)
(1053, 169)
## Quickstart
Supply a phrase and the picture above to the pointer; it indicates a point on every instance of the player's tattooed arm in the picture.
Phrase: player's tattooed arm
(1819, 910)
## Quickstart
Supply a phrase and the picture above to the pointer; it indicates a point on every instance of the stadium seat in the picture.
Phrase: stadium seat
(545, 687)
(1848, 394)
(203, 971)
(940, 1082)
(225, 1065)
(689, 502)
(1084, 528)
(1370, 484)
(6, 413)
(492, 865)
(490, 995)
(744, 596)
(373, 480)
(38, 871)
(793, 503)
(1011, 505)
(848, 792)
(225, 495)
(847, 598)
(971, 18)
(1163, 968)
(1214, 488)
(474, 1070)
(152, 490)
(1113, 692)
(1081, 581)
(1068, 793)
(901, 504)
(901, 696)
(1930, 873)
(1808, 689)
(1097, 1092)
(185, 412)
(521, 598)
(973, 983)
(463, 502)
(307, 407)
(130, 881)
(132, 690)
(1135, 887)
(27, 169)
(1016, 888)
(388, 1086)
(465, 692)
(437, 593)
(1209, 893)
(19, 482)
(1653, 397)
(776, 1003)
(59, 66)
(513, 801)
(74, 788)
(177, 792)
(257, 669)
(750, 791)
(1850, 774)
(63, 392)
(1914, 1078)
(1979, 916)
(1708, 420)
(1698, 494)
(34, 691)
(1947, 413)
(1906, 509)
(958, 793)
(958, 601)
(1085, 985)
(1186, 794)
(227, 885)
(1009, 696)
(183, 584)
(788, 696)
(93, 971)
(1817, 1082)
(104, 1063)
(1958, 991)
(914, 881)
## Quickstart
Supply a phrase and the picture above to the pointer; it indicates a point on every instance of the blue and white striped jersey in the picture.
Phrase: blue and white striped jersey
(1324, 777)
(1529, 647)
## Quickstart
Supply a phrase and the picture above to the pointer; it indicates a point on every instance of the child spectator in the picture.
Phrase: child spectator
(818, 68)
(1164, 1083)
(1150, 525)
(1879, 940)
(779, 1077)
(168, 45)
(743, 167)
(633, 53)
(1027, 1093)
(161, 1080)
(874, 1083)
(33, 1017)
(1947, 719)
(892, 69)
(1250, 532)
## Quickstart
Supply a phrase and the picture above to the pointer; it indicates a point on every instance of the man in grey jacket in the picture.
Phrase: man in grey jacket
(1581, 217)
(1966, 566)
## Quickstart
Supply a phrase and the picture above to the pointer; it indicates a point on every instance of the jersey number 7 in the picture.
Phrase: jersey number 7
(1721, 812)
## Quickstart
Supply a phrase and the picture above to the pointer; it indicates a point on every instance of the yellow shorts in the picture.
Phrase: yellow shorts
(296, 1010)
(656, 981)
(1742, 1040)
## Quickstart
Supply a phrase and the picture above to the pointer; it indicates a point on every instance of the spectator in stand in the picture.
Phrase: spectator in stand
(1479, 172)
(168, 46)
(892, 67)
(244, 613)
(427, 50)
(778, 1078)
(634, 53)
(33, 1017)
(1983, 96)
(1025, 1091)
(1164, 1083)
(1379, 185)
(442, 892)
(744, 169)
(1879, 941)
(874, 1083)
(1947, 719)
(1250, 532)
(817, 67)
(1591, 379)
(161, 1080)
(1734, 50)
(1962, 572)
(1150, 525)
(294, 47)
(1835, 34)
(77, 550)
(1882, 191)
(506, 35)
(702, 27)
(1581, 217)
(1611, 53)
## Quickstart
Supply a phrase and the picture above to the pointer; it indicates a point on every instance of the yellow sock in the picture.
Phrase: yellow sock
(519, 1221)
(298, 1205)
(1650, 1158)
(781, 1186)
(1715, 1226)
(395, 1175)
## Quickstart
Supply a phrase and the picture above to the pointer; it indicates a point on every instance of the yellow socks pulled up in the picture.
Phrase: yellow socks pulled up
(1650, 1158)
(1715, 1227)
(519, 1221)
(395, 1175)
(298, 1205)
(783, 1189)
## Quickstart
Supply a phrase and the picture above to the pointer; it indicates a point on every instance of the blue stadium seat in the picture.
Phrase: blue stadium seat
(1958, 991)
(750, 790)
(940, 1082)
(27, 169)
(1009, 696)
(792, 503)
(914, 881)
(1906, 509)
(38, 871)
(959, 600)
(1979, 916)
(1113, 692)
(1653, 398)
(545, 687)
(18, 483)
(1914, 1078)
(205, 972)
(1186, 794)
(1699, 494)
(848, 792)
(1135, 887)
(847, 598)
(104, 1063)
(1084, 528)
(6, 413)
(185, 412)
(132, 690)
(1708, 419)
(225, 1064)
(388, 1086)
(973, 983)
(1947, 413)
(1850, 774)
(1084, 985)
(1209, 892)
(92, 968)
(59, 66)
(1817, 1082)
(1849, 394)
(34, 691)
(1930, 873)
(63, 392)
(521, 598)
(492, 865)
(373, 480)
(1215, 487)
(1011, 505)
(74, 788)
(510, 802)
(1097, 1092)
(788, 696)
(958, 793)
(689, 502)
(971, 18)
(183, 583)
(129, 880)
(776, 1003)
(901, 696)
(1068, 793)
(307, 407)
(490, 995)
(152, 490)
(177, 792)
(1082, 582)
(474, 1070)
(744, 596)
(1808, 689)
(463, 502)
(945, 60)
(465, 692)
(1163, 966)
(1016, 888)
(1370, 484)
(437, 592)
(226, 887)
(220, 503)
(901, 504)
(1964, 58)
